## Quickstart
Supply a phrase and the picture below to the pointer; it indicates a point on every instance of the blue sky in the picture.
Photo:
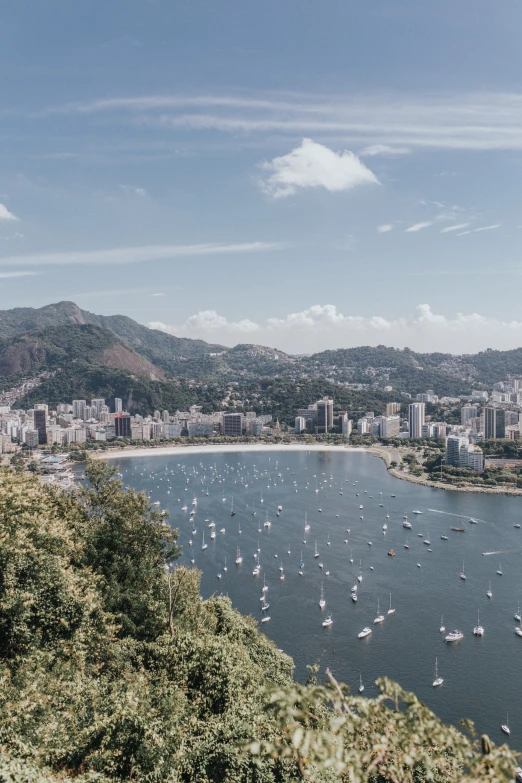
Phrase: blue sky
(291, 173)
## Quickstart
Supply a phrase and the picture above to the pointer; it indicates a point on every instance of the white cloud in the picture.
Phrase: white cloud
(9, 275)
(206, 322)
(477, 230)
(456, 120)
(382, 149)
(134, 190)
(323, 326)
(136, 255)
(312, 166)
(158, 294)
(5, 214)
(385, 228)
(454, 228)
(419, 226)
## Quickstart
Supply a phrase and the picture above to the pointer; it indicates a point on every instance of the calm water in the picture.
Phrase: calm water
(481, 675)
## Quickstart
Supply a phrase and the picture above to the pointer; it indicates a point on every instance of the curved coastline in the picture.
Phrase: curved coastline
(231, 448)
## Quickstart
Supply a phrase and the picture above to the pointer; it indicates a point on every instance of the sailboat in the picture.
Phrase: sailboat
(361, 686)
(462, 574)
(225, 566)
(316, 553)
(518, 616)
(380, 617)
(505, 726)
(390, 610)
(322, 602)
(489, 592)
(232, 512)
(239, 559)
(438, 680)
(306, 525)
(203, 545)
(499, 570)
(442, 626)
(478, 629)
(267, 522)
(351, 556)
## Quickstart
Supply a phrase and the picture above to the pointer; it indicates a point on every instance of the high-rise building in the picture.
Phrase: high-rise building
(300, 424)
(392, 408)
(40, 424)
(233, 424)
(32, 438)
(494, 423)
(96, 407)
(79, 409)
(118, 405)
(416, 413)
(453, 447)
(390, 426)
(165, 416)
(468, 412)
(324, 415)
(122, 425)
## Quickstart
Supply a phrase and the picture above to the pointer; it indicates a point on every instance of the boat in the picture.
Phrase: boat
(459, 529)
(418, 565)
(364, 632)
(489, 592)
(499, 570)
(265, 607)
(390, 610)
(380, 617)
(322, 602)
(203, 545)
(327, 621)
(518, 631)
(316, 553)
(442, 626)
(505, 726)
(256, 570)
(406, 524)
(478, 629)
(454, 636)
(306, 525)
(213, 535)
(518, 616)
(415, 511)
(516, 525)
(354, 597)
(391, 553)
(427, 539)
(473, 521)
(462, 573)
(406, 545)
(444, 538)
(438, 680)
(385, 527)
(183, 508)
(239, 559)
(267, 523)
(265, 619)
(225, 566)
(361, 686)
(265, 586)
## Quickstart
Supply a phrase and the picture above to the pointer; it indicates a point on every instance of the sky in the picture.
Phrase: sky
(291, 173)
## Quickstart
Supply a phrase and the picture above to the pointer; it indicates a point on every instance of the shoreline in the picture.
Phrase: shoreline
(231, 448)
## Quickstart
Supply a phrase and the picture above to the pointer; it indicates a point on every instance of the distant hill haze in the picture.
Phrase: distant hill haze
(94, 348)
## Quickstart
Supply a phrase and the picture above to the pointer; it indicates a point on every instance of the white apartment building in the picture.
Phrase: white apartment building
(416, 416)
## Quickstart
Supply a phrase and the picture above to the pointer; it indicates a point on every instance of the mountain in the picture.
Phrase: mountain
(75, 346)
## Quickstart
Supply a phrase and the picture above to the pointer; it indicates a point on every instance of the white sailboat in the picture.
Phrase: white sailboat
(390, 610)
(380, 617)
(316, 553)
(489, 592)
(518, 616)
(306, 525)
(478, 629)
(203, 545)
(442, 626)
(232, 512)
(438, 680)
(239, 559)
(499, 570)
(505, 726)
(361, 686)
(322, 602)
(462, 573)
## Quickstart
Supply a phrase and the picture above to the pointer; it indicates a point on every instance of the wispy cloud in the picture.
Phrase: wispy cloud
(383, 149)
(137, 255)
(9, 275)
(324, 326)
(5, 214)
(384, 122)
(419, 226)
(477, 230)
(447, 229)
(313, 165)
(385, 228)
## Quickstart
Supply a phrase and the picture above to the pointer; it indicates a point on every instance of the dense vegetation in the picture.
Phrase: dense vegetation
(113, 669)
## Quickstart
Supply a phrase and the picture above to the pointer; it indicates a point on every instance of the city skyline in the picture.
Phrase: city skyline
(195, 167)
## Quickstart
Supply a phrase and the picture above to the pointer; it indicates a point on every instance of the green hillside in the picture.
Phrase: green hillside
(112, 668)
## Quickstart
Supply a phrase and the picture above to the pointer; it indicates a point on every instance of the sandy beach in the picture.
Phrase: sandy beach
(215, 448)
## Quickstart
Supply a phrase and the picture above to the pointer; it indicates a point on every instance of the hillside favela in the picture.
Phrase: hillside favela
(260, 392)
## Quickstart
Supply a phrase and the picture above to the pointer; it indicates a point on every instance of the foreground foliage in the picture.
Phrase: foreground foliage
(112, 668)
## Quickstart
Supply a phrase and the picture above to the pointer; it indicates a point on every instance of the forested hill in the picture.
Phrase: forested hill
(168, 357)
(114, 669)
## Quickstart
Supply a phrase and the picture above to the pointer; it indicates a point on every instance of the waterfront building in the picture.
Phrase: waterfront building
(390, 426)
(416, 415)
(324, 415)
(122, 425)
(454, 443)
(232, 424)
(300, 425)
(494, 423)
